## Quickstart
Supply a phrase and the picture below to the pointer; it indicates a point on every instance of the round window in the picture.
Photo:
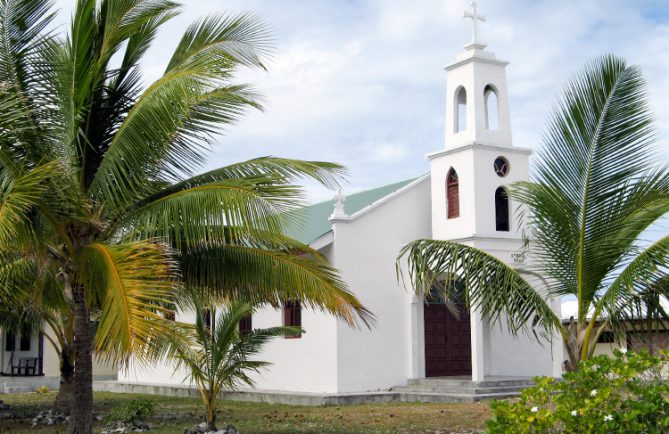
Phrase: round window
(501, 166)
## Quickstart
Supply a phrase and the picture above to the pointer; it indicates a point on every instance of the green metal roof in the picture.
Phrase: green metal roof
(314, 219)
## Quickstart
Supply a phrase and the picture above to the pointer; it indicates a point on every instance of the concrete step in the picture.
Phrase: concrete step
(454, 389)
(457, 390)
(448, 382)
(452, 397)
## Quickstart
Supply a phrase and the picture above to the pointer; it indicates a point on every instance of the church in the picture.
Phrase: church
(463, 198)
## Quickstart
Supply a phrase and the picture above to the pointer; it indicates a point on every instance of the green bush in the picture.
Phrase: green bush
(42, 389)
(622, 394)
(133, 411)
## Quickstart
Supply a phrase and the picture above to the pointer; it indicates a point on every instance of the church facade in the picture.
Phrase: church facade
(462, 198)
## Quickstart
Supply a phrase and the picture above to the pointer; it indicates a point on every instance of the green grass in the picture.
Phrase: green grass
(172, 415)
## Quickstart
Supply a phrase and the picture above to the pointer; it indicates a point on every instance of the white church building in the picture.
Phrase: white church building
(462, 198)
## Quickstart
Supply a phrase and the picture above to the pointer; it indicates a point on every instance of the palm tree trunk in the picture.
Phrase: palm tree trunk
(65, 396)
(81, 420)
(573, 350)
(211, 410)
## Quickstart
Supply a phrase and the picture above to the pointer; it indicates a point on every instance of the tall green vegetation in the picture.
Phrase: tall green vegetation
(597, 186)
(216, 355)
(99, 192)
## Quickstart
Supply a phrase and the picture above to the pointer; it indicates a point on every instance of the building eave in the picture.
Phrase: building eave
(323, 241)
(501, 149)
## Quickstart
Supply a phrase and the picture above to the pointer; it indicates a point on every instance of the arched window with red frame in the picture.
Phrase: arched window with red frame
(452, 194)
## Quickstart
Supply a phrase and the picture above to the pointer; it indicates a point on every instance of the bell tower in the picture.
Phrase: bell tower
(470, 175)
(469, 182)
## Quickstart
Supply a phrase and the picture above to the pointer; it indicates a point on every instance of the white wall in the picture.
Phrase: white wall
(520, 355)
(307, 364)
(330, 356)
(464, 225)
(365, 252)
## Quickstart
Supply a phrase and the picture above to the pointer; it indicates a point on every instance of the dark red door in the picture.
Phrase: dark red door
(447, 341)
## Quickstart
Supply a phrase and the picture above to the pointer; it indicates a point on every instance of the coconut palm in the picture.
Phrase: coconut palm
(216, 355)
(597, 186)
(99, 188)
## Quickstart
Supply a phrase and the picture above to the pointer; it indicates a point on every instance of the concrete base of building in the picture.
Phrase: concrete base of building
(30, 384)
(27, 384)
(411, 393)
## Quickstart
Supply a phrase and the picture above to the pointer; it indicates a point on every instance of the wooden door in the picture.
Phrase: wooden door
(447, 341)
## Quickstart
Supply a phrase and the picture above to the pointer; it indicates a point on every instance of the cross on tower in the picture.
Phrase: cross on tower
(475, 17)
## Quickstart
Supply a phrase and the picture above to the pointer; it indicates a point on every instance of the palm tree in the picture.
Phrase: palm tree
(98, 183)
(216, 355)
(596, 188)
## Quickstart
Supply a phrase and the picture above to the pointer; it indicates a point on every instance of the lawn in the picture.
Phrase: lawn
(172, 415)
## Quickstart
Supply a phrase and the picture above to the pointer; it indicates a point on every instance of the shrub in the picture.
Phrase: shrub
(42, 389)
(133, 411)
(625, 393)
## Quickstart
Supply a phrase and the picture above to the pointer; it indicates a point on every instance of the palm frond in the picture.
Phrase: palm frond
(491, 286)
(33, 297)
(263, 184)
(222, 211)
(328, 174)
(272, 273)
(19, 195)
(237, 39)
(25, 43)
(595, 150)
(131, 282)
(133, 24)
(158, 140)
(625, 297)
(17, 276)
(221, 356)
(24, 24)
(141, 33)
(121, 20)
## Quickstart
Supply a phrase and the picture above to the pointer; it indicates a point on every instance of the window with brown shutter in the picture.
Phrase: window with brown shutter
(292, 316)
(246, 324)
(453, 194)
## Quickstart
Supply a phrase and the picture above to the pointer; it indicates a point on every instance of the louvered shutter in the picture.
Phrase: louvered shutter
(453, 195)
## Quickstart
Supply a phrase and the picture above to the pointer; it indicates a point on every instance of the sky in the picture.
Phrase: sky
(361, 82)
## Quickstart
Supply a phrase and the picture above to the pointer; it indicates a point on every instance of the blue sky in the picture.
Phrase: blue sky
(362, 82)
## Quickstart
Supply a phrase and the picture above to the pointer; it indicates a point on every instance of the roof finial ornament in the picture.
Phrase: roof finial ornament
(339, 212)
(475, 17)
